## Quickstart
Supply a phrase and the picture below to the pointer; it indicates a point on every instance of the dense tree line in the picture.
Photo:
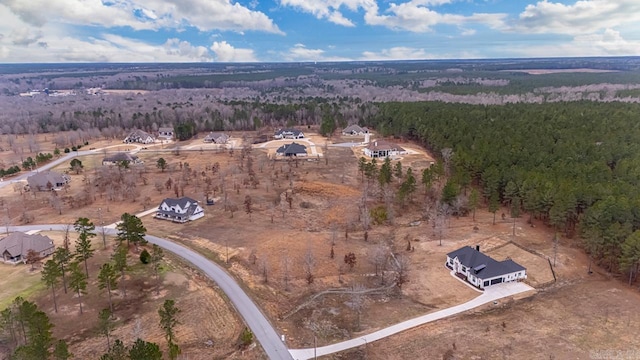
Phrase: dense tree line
(576, 166)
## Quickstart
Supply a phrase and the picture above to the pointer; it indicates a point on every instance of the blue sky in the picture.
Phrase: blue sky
(313, 30)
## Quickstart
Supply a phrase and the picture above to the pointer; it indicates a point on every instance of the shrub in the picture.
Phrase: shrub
(73, 148)
(145, 257)
(66, 150)
(378, 214)
(246, 338)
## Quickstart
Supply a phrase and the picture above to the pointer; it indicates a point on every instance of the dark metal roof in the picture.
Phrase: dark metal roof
(474, 260)
(292, 149)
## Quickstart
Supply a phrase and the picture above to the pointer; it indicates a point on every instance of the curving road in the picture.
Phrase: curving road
(252, 315)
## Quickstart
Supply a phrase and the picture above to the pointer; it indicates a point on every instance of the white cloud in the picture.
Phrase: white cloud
(330, 9)
(397, 53)
(227, 53)
(299, 52)
(585, 16)
(143, 14)
(607, 43)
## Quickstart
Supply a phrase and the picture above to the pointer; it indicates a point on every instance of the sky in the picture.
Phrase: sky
(67, 31)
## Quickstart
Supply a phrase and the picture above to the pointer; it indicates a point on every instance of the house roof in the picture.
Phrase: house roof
(121, 156)
(19, 243)
(41, 179)
(378, 145)
(216, 135)
(483, 266)
(139, 133)
(184, 202)
(294, 132)
(165, 129)
(292, 149)
(354, 128)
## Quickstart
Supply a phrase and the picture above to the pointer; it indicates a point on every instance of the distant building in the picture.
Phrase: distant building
(216, 137)
(121, 157)
(47, 181)
(139, 136)
(293, 149)
(165, 133)
(383, 148)
(14, 248)
(482, 271)
(179, 210)
(288, 134)
(355, 130)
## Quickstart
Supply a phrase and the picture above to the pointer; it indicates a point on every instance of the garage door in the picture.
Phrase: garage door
(496, 281)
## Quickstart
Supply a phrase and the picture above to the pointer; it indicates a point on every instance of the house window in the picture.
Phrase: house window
(464, 268)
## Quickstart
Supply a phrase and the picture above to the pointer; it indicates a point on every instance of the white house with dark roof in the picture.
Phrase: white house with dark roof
(481, 270)
(179, 210)
(288, 134)
(293, 149)
(121, 157)
(139, 136)
(47, 180)
(165, 133)
(383, 148)
(355, 130)
(216, 137)
(14, 248)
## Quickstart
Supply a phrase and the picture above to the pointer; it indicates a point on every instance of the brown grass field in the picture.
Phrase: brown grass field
(573, 317)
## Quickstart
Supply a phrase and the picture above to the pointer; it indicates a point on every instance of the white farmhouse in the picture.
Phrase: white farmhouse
(482, 271)
(179, 210)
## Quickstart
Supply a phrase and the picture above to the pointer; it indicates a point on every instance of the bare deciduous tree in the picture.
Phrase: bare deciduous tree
(309, 265)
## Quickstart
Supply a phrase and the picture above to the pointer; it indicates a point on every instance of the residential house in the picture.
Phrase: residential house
(139, 136)
(216, 137)
(383, 148)
(165, 133)
(482, 271)
(14, 248)
(179, 210)
(293, 149)
(47, 181)
(288, 134)
(355, 130)
(119, 158)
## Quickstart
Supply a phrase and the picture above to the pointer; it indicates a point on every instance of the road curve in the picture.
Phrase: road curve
(252, 315)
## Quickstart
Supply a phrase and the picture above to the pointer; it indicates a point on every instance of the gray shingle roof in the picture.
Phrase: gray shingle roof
(294, 132)
(121, 156)
(19, 243)
(182, 202)
(353, 128)
(474, 260)
(40, 180)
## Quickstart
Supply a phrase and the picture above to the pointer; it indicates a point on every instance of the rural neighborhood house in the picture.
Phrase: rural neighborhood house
(165, 133)
(355, 130)
(293, 149)
(139, 136)
(481, 270)
(216, 137)
(47, 181)
(288, 134)
(121, 157)
(179, 210)
(383, 148)
(14, 248)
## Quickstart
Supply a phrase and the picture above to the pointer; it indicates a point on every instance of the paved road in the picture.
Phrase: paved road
(252, 315)
(494, 293)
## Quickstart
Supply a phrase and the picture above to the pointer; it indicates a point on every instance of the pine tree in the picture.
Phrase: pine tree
(108, 279)
(168, 321)
(119, 258)
(61, 351)
(51, 276)
(77, 281)
(157, 254)
(131, 229)
(142, 350)
(62, 256)
(85, 229)
(105, 325)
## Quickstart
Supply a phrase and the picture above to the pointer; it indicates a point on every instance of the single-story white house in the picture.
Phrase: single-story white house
(288, 134)
(354, 130)
(165, 132)
(216, 137)
(383, 148)
(139, 136)
(179, 210)
(482, 271)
